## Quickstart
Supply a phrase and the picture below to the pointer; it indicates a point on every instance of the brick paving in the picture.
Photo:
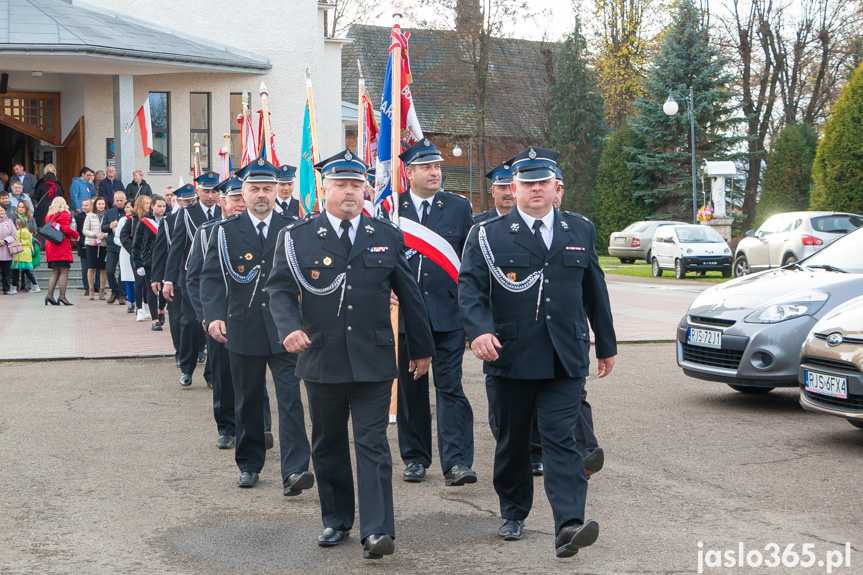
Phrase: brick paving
(644, 310)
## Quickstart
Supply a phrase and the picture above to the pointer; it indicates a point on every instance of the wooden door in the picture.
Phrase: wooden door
(70, 157)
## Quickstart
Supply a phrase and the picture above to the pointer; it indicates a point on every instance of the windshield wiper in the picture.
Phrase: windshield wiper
(797, 265)
(829, 268)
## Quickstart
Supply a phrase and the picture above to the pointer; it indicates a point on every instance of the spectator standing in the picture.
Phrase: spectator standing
(100, 175)
(80, 219)
(127, 236)
(127, 274)
(82, 189)
(110, 185)
(22, 262)
(138, 187)
(109, 226)
(27, 180)
(22, 213)
(59, 256)
(96, 242)
(48, 169)
(4, 200)
(46, 192)
(17, 195)
(8, 234)
(170, 200)
(4, 181)
(142, 257)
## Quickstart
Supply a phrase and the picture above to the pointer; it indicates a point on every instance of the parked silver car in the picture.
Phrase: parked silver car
(749, 331)
(786, 238)
(635, 241)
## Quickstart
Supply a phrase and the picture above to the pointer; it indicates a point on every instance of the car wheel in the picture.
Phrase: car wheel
(750, 389)
(679, 269)
(741, 266)
(657, 271)
(855, 423)
(626, 260)
(789, 259)
(726, 273)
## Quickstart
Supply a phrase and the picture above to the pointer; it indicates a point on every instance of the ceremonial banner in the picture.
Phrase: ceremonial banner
(269, 153)
(145, 125)
(250, 141)
(307, 184)
(226, 169)
(370, 131)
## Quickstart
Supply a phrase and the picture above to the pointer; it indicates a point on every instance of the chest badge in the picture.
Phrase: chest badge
(513, 229)
(378, 249)
(327, 261)
(322, 232)
(248, 257)
(574, 248)
(511, 276)
(315, 274)
(241, 269)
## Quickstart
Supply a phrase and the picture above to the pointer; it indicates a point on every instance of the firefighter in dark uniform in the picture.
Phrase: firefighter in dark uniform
(330, 291)
(448, 215)
(236, 309)
(285, 200)
(188, 220)
(504, 200)
(529, 283)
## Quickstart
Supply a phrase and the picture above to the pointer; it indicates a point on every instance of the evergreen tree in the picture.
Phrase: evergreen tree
(687, 58)
(838, 169)
(576, 121)
(615, 204)
(788, 176)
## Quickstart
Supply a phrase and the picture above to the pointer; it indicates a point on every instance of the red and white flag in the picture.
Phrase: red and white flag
(145, 124)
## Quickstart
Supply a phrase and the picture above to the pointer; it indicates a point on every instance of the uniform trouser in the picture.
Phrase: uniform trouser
(367, 404)
(191, 334)
(556, 403)
(454, 414)
(535, 444)
(223, 387)
(175, 319)
(249, 373)
(112, 259)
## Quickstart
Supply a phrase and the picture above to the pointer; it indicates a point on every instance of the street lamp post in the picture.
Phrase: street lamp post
(457, 152)
(670, 108)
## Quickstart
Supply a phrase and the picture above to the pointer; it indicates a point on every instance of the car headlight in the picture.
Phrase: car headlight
(688, 251)
(799, 304)
(726, 251)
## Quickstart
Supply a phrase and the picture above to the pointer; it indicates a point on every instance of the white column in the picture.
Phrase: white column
(124, 113)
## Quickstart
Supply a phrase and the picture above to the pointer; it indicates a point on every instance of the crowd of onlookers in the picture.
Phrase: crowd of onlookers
(103, 220)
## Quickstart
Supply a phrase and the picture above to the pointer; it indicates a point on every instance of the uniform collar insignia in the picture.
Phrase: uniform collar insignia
(564, 225)
(370, 230)
(322, 232)
(514, 227)
(439, 204)
(406, 205)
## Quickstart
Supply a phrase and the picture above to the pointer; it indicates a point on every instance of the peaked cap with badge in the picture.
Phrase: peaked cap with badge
(287, 174)
(423, 152)
(208, 180)
(534, 164)
(343, 166)
(258, 170)
(500, 175)
(187, 192)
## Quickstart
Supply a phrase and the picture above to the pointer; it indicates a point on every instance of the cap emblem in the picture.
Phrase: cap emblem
(531, 154)
(349, 156)
(260, 161)
(426, 142)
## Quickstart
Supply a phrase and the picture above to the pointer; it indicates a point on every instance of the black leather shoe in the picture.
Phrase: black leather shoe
(268, 440)
(459, 475)
(331, 537)
(594, 461)
(573, 537)
(157, 327)
(248, 479)
(537, 469)
(511, 529)
(296, 482)
(161, 317)
(202, 357)
(209, 384)
(185, 380)
(414, 473)
(225, 442)
(376, 546)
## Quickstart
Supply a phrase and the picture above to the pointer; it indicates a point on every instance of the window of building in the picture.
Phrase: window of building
(160, 115)
(236, 130)
(199, 128)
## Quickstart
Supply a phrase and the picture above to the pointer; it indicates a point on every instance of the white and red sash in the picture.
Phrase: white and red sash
(152, 225)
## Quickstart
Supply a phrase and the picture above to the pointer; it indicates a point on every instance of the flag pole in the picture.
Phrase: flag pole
(395, 178)
(361, 148)
(316, 155)
(227, 159)
(243, 144)
(265, 113)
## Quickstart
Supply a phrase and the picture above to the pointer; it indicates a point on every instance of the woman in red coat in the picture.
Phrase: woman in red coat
(59, 256)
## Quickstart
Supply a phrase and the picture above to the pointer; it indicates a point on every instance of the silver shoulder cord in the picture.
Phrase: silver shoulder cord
(500, 277)
(188, 220)
(203, 248)
(223, 261)
(411, 253)
(291, 256)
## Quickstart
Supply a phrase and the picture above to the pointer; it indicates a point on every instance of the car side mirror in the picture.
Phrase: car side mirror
(750, 234)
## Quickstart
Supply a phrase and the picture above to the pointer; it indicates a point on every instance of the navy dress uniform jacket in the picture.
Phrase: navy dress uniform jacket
(244, 307)
(573, 293)
(361, 331)
(161, 246)
(451, 218)
(486, 215)
(195, 264)
(187, 222)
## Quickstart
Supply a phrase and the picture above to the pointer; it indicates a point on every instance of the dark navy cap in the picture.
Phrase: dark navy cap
(501, 175)
(370, 175)
(423, 152)
(230, 187)
(187, 192)
(207, 180)
(534, 165)
(559, 176)
(287, 174)
(343, 166)
(258, 170)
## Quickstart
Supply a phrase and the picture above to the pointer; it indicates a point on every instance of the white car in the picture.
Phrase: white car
(690, 248)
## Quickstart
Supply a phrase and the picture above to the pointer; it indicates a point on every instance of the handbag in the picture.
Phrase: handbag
(52, 234)
(15, 247)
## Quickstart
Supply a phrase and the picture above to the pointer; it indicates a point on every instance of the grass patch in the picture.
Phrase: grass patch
(644, 271)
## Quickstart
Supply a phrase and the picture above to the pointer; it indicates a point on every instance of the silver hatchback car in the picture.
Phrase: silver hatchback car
(786, 238)
(635, 241)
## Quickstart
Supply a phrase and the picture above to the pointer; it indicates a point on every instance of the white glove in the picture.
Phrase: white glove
(141, 272)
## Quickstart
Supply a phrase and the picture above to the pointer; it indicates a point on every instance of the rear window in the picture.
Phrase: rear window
(637, 227)
(836, 224)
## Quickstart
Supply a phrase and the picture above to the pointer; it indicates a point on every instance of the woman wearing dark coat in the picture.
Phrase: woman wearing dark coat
(127, 236)
(48, 189)
(142, 256)
(138, 186)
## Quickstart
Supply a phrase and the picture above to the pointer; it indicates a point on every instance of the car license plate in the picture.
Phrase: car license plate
(620, 240)
(710, 263)
(824, 384)
(705, 338)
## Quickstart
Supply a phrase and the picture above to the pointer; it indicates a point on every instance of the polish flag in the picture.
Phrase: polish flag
(145, 124)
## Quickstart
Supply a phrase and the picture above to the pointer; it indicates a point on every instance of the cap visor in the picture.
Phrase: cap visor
(534, 175)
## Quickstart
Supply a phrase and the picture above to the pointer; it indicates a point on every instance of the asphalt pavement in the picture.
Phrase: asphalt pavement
(110, 467)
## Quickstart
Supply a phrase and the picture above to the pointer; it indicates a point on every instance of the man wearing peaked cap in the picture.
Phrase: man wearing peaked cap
(529, 284)
(285, 201)
(330, 291)
(449, 216)
(501, 192)
(236, 312)
(187, 222)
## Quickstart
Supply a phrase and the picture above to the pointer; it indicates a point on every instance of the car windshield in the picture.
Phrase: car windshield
(837, 223)
(637, 227)
(844, 254)
(698, 235)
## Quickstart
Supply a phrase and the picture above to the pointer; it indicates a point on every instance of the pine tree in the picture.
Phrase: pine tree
(687, 58)
(838, 169)
(788, 177)
(615, 201)
(576, 121)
